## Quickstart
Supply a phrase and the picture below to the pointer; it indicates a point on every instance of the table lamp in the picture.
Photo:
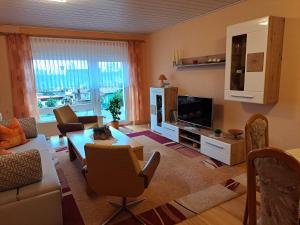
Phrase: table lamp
(162, 79)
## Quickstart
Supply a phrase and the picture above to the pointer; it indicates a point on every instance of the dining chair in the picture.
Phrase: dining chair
(256, 132)
(279, 175)
(256, 137)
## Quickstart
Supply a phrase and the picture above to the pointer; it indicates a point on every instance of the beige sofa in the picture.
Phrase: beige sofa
(38, 203)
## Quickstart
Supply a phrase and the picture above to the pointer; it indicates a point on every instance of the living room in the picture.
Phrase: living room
(151, 39)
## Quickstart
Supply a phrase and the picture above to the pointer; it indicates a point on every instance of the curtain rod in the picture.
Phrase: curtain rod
(73, 37)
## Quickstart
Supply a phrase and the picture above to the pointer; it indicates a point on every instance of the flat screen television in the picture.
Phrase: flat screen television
(195, 110)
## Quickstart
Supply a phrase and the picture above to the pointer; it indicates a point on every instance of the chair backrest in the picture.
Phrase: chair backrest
(256, 132)
(65, 114)
(113, 170)
(279, 175)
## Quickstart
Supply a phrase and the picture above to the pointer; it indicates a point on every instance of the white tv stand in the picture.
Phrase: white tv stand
(227, 150)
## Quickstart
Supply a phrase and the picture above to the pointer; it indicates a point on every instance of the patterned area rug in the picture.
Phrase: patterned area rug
(71, 213)
(185, 184)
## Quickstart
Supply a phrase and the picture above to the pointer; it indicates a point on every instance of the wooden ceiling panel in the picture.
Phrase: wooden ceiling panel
(132, 16)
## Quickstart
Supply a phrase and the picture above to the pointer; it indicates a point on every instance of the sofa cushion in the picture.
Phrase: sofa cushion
(20, 169)
(50, 181)
(28, 125)
(11, 135)
(8, 196)
(5, 152)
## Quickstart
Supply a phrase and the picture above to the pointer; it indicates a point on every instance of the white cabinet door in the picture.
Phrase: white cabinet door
(216, 149)
(256, 43)
(155, 94)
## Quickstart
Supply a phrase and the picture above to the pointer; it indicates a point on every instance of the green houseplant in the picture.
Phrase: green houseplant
(114, 108)
(217, 132)
(51, 102)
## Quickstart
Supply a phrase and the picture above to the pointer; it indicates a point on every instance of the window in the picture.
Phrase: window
(85, 74)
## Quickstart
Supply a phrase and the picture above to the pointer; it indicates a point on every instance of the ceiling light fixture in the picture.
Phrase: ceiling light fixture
(61, 1)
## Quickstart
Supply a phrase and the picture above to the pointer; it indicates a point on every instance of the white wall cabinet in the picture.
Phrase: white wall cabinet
(253, 60)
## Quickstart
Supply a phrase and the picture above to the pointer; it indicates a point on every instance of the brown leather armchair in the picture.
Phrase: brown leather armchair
(115, 171)
(68, 121)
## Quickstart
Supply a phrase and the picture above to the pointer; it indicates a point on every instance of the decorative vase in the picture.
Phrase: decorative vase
(115, 124)
(217, 134)
(236, 133)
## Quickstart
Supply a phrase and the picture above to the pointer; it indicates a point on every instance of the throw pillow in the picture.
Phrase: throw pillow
(28, 125)
(20, 169)
(12, 136)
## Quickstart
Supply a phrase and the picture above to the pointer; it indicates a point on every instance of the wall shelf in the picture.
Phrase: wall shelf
(202, 61)
(181, 66)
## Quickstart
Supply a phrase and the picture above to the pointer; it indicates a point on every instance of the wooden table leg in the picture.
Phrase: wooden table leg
(72, 154)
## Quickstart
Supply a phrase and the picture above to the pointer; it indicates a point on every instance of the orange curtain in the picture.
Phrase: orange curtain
(136, 109)
(22, 76)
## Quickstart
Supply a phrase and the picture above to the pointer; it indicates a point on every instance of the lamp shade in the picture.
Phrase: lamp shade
(162, 77)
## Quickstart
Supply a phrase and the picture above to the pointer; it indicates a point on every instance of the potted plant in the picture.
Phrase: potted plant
(114, 108)
(217, 132)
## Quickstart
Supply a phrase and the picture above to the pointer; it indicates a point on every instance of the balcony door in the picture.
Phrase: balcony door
(81, 73)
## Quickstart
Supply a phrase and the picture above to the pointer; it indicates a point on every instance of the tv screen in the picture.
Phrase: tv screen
(195, 110)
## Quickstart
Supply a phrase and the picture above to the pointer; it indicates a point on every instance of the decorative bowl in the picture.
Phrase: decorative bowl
(101, 133)
(235, 133)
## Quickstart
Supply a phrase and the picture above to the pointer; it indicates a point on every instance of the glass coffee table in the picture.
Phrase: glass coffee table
(78, 139)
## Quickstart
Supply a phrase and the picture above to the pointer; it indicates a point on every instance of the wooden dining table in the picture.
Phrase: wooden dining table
(295, 152)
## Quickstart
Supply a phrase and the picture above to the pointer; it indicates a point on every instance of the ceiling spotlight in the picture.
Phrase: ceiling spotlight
(62, 1)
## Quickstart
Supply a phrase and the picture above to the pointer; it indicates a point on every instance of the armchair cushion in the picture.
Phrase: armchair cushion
(88, 119)
(65, 114)
(70, 127)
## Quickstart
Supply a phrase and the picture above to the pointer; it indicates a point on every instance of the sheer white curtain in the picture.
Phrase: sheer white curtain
(83, 73)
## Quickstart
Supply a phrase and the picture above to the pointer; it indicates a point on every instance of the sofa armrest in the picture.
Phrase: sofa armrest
(150, 168)
(88, 119)
(69, 127)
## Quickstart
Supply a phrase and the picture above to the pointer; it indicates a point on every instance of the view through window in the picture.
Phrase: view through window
(81, 73)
